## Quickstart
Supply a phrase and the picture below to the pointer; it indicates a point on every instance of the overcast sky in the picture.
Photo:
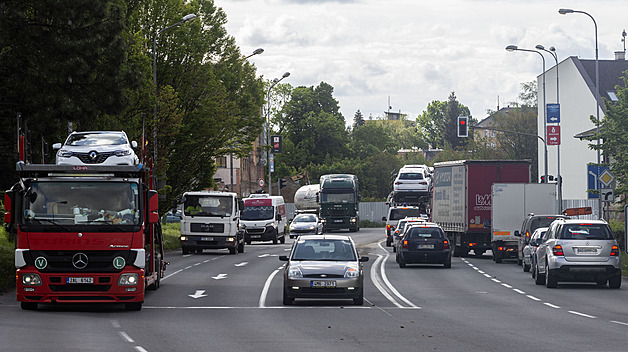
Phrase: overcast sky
(417, 51)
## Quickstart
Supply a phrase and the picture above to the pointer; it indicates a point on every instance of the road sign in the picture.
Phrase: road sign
(277, 144)
(607, 195)
(553, 135)
(261, 182)
(553, 113)
(578, 211)
(595, 183)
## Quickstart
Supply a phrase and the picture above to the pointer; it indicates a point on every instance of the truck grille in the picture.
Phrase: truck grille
(97, 261)
(214, 228)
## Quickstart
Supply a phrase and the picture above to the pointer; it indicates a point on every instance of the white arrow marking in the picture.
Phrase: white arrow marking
(241, 264)
(198, 294)
(219, 277)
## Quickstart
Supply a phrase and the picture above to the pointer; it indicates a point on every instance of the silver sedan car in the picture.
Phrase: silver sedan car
(530, 248)
(323, 266)
(305, 224)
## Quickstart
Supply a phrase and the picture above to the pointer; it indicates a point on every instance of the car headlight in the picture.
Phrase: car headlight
(294, 271)
(122, 152)
(65, 153)
(128, 279)
(311, 227)
(31, 280)
(352, 272)
(270, 224)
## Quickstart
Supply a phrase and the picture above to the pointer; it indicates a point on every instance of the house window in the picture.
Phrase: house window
(485, 133)
(612, 95)
(222, 162)
(492, 133)
(493, 145)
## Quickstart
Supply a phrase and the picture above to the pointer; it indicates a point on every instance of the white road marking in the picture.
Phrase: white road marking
(169, 275)
(241, 264)
(619, 322)
(126, 336)
(262, 297)
(495, 280)
(390, 286)
(533, 298)
(379, 285)
(519, 291)
(115, 324)
(551, 305)
(140, 349)
(263, 255)
(506, 285)
(582, 314)
(219, 277)
(198, 294)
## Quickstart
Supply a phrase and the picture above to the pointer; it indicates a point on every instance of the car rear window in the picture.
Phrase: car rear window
(585, 232)
(397, 214)
(542, 222)
(424, 232)
(411, 176)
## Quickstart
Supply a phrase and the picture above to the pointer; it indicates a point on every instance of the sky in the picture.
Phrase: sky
(408, 53)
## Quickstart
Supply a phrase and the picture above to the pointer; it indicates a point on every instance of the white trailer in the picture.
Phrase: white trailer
(512, 202)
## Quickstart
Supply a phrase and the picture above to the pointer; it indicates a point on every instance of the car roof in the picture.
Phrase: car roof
(583, 221)
(424, 224)
(323, 237)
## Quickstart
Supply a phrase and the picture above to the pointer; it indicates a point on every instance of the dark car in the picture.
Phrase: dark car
(531, 223)
(323, 266)
(424, 243)
(173, 216)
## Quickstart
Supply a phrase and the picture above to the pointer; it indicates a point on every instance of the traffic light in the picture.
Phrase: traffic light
(463, 126)
(282, 183)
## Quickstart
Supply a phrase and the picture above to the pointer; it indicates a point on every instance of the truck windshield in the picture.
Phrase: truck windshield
(257, 213)
(201, 205)
(84, 203)
(337, 198)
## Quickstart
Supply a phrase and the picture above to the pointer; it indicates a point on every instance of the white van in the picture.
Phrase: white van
(210, 220)
(263, 218)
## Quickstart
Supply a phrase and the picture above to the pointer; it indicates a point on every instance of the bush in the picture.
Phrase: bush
(7, 262)
(370, 224)
(171, 236)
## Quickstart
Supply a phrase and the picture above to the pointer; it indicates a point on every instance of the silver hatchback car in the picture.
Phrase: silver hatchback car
(323, 266)
(578, 250)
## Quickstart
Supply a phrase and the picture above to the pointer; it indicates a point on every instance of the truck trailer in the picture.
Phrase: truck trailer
(85, 234)
(462, 202)
(511, 203)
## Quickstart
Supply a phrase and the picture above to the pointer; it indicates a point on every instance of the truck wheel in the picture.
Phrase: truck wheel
(498, 257)
(233, 250)
(28, 305)
(615, 281)
(185, 250)
(133, 306)
(282, 240)
(241, 247)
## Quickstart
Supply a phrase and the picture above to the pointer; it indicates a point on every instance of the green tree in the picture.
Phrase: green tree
(429, 123)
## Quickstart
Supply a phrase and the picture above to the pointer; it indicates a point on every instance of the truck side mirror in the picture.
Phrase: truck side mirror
(278, 217)
(517, 234)
(383, 218)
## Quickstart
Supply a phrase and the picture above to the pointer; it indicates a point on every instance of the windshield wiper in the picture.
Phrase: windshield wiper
(52, 222)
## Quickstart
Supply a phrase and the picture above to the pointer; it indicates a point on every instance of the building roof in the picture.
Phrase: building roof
(611, 73)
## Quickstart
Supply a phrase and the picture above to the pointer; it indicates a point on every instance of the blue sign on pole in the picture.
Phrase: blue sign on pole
(553, 113)
(594, 171)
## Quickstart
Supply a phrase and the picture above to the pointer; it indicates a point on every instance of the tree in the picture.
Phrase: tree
(429, 123)
(358, 119)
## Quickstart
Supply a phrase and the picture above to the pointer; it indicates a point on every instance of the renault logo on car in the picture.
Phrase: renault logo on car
(80, 260)
(93, 155)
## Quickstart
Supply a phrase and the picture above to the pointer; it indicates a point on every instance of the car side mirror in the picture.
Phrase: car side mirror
(278, 217)
(134, 144)
(383, 218)
(283, 258)
(56, 146)
(364, 259)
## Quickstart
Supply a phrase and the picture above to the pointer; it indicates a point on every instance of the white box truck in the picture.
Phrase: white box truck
(512, 202)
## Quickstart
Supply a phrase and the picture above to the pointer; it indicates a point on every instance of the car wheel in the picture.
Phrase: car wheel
(359, 301)
(615, 281)
(402, 263)
(394, 249)
(133, 306)
(601, 282)
(388, 242)
(282, 240)
(538, 279)
(275, 240)
(551, 281)
(526, 267)
(233, 250)
(397, 258)
(287, 301)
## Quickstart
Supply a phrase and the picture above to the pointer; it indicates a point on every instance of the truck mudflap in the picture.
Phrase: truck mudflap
(503, 250)
(35, 287)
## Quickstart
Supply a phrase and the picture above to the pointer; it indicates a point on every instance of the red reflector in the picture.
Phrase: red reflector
(471, 244)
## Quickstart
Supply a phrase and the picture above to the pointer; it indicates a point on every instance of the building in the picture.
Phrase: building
(577, 98)
(243, 173)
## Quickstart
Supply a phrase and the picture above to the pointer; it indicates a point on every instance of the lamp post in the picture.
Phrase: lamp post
(552, 52)
(275, 81)
(186, 18)
(512, 48)
(597, 103)
(231, 189)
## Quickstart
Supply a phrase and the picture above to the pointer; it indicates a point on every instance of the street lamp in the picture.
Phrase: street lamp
(597, 103)
(512, 48)
(231, 189)
(186, 18)
(552, 52)
(275, 81)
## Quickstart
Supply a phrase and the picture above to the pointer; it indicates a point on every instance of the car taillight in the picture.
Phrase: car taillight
(528, 234)
(558, 250)
(614, 251)
(445, 244)
(388, 227)
(405, 244)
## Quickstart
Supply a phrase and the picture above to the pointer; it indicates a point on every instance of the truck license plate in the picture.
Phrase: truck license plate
(339, 220)
(207, 238)
(322, 284)
(80, 280)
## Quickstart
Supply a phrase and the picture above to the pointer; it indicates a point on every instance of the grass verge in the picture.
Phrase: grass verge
(7, 262)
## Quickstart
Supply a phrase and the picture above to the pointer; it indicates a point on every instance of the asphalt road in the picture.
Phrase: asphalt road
(217, 302)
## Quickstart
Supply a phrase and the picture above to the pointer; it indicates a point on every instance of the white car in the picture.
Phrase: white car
(305, 224)
(412, 181)
(96, 148)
